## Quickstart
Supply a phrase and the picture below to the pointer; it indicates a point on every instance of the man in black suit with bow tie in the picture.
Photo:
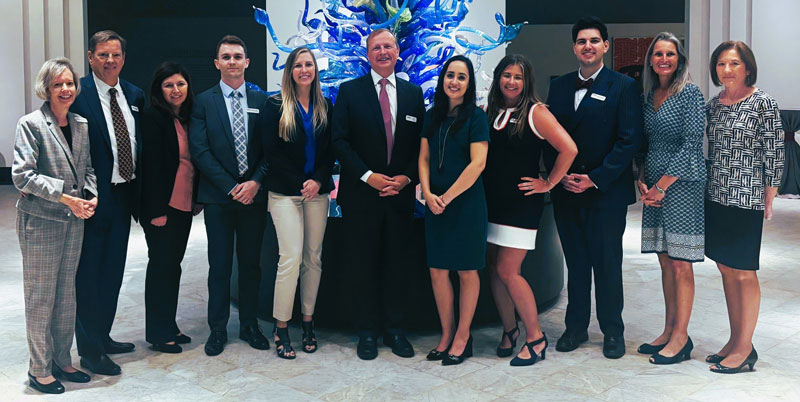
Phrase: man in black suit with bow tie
(377, 121)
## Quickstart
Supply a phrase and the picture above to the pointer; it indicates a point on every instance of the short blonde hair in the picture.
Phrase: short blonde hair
(47, 74)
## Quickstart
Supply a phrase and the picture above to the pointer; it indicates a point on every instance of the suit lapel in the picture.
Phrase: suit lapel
(599, 86)
(55, 131)
(374, 104)
(93, 99)
(402, 110)
(252, 103)
(80, 137)
(219, 102)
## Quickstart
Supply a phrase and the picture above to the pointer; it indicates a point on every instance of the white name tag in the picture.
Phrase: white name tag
(411, 118)
(598, 97)
(80, 119)
(252, 110)
(134, 108)
(512, 121)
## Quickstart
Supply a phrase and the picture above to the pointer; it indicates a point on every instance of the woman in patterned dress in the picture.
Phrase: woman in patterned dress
(672, 184)
(522, 125)
(745, 150)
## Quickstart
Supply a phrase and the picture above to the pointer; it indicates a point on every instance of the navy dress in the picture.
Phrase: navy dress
(675, 148)
(456, 239)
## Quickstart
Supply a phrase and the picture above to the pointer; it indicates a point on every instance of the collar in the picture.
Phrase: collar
(594, 76)
(103, 88)
(377, 77)
(226, 89)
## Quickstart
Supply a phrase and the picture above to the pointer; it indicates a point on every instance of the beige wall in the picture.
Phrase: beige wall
(33, 31)
(549, 47)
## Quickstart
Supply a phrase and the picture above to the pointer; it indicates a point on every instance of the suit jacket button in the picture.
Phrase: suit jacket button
(69, 214)
(74, 186)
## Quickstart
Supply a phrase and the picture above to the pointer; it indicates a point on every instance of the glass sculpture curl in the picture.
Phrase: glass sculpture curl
(428, 32)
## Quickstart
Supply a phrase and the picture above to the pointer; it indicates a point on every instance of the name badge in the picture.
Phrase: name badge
(512, 121)
(599, 97)
(411, 118)
(80, 119)
(134, 108)
(253, 110)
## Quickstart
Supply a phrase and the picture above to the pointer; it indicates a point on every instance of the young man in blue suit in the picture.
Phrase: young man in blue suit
(112, 106)
(601, 109)
(225, 140)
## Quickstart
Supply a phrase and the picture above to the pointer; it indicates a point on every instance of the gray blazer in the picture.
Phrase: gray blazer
(44, 166)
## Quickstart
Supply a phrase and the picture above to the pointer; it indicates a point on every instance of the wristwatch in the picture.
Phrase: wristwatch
(659, 189)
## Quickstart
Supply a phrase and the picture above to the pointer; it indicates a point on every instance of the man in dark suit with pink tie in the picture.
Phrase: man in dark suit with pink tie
(377, 121)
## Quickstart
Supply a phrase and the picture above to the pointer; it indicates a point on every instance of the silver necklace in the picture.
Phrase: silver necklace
(442, 143)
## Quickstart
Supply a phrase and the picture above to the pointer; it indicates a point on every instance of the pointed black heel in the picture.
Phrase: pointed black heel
(683, 354)
(519, 362)
(749, 361)
(505, 352)
(650, 349)
(715, 358)
(451, 360)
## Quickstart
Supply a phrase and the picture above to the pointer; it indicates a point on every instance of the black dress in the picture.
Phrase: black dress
(513, 216)
(456, 239)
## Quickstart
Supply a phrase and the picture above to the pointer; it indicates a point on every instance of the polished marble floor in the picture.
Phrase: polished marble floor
(334, 373)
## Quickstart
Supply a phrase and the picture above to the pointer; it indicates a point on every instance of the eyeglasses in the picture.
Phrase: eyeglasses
(106, 56)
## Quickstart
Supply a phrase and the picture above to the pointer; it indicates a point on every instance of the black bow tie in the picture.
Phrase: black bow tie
(581, 84)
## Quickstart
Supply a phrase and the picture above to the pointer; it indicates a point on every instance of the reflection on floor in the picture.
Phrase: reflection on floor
(334, 373)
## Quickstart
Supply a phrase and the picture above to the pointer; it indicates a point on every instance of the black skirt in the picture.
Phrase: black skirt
(733, 235)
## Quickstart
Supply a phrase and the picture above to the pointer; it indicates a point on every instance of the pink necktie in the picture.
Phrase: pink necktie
(386, 110)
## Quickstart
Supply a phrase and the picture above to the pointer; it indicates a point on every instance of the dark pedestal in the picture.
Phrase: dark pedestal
(543, 268)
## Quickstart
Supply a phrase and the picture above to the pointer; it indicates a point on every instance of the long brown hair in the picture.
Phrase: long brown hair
(288, 98)
(527, 98)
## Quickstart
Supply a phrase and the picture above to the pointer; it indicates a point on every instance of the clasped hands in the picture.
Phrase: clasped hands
(387, 186)
(576, 183)
(82, 209)
(245, 192)
(650, 197)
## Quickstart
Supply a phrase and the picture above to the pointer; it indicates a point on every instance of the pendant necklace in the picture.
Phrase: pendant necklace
(443, 142)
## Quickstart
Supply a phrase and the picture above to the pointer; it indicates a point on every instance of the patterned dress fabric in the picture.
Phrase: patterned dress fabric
(675, 148)
(745, 149)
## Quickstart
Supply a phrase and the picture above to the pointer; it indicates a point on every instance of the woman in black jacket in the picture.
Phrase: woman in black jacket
(168, 183)
(298, 179)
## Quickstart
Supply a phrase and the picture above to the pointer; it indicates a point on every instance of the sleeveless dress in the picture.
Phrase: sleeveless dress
(513, 216)
(456, 239)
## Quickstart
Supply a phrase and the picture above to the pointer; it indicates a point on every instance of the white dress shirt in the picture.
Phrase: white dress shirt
(579, 94)
(105, 103)
(391, 90)
(226, 92)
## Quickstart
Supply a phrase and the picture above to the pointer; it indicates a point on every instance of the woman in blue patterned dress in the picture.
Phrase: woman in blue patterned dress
(745, 151)
(672, 185)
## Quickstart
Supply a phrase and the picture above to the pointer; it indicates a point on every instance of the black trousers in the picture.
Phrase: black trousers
(592, 242)
(166, 246)
(378, 267)
(246, 223)
(100, 271)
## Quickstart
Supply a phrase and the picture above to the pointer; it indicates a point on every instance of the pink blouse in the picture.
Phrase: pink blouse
(184, 178)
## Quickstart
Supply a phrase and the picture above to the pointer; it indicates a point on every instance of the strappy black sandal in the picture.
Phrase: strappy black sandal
(518, 361)
(283, 345)
(309, 338)
(505, 352)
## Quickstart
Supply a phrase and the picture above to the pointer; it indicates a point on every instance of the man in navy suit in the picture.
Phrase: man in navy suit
(377, 121)
(112, 106)
(601, 109)
(225, 140)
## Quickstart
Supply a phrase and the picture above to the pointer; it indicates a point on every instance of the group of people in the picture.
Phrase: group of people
(93, 156)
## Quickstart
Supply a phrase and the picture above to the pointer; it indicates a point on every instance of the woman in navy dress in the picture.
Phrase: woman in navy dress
(672, 185)
(451, 158)
(521, 125)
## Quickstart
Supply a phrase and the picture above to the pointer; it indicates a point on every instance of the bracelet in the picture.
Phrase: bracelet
(659, 189)
(441, 197)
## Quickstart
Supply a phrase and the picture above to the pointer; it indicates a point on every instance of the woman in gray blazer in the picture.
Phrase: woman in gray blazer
(53, 172)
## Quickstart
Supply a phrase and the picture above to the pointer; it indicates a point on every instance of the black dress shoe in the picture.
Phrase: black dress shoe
(113, 347)
(167, 348)
(253, 336)
(182, 339)
(750, 361)
(367, 347)
(399, 344)
(452, 360)
(54, 387)
(216, 342)
(100, 365)
(613, 347)
(75, 376)
(570, 341)
(684, 354)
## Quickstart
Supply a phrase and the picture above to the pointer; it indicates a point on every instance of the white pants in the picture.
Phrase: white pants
(300, 226)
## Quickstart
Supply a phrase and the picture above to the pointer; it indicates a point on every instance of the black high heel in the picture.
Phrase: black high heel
(75, 376)
(715, 358)
(518, 361)
(309, 338)
(451, 359)
(683, 354)
(54, 387)
(505, 352)
(283, 345)
(749, 361)
(650, 349)
(435, 355)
